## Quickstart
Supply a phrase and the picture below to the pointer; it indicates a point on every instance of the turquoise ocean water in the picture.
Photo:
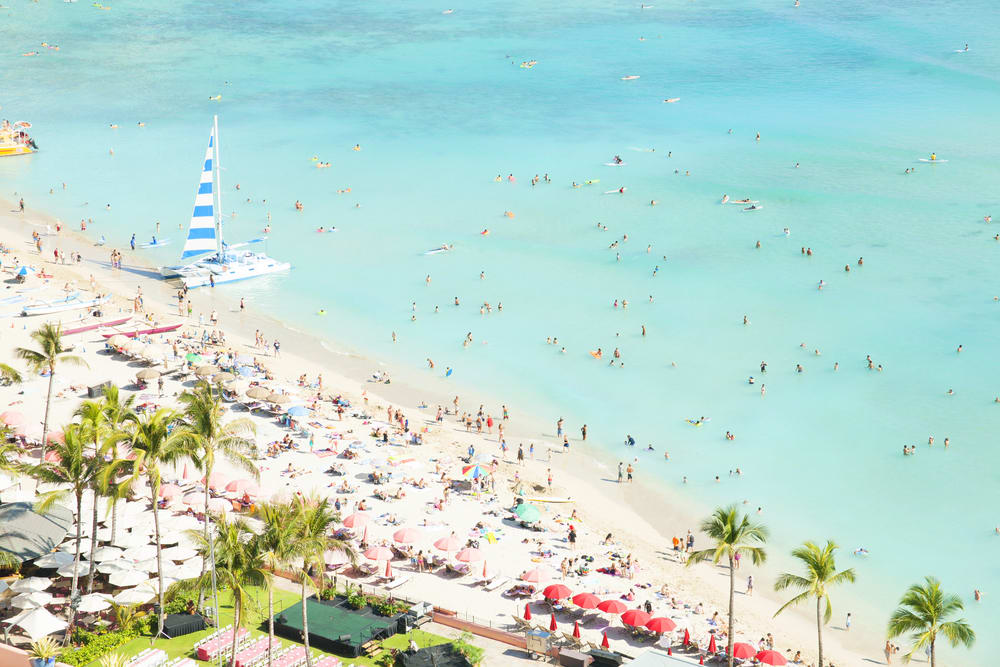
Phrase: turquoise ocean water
(855, 92)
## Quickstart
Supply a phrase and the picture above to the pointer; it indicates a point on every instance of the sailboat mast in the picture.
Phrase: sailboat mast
(218, 189)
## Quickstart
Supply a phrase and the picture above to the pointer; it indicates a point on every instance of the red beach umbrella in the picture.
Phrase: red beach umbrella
(660, 624)
(771, 658)
(743, 651)
(469, 555)
(557, 592)
(576, 629)
(711, 645)
(612, 607)
(635, 617)
(586, 600)
(388, 569)
(701, 660)
(687, 637)
(552, 623)
(527, 611)
(604, 642)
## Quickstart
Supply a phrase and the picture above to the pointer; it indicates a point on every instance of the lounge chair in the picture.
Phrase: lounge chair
(521, 623)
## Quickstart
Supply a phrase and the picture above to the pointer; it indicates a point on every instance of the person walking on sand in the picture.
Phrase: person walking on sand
(750, 585)
(520, 454)
(583, 432)
(621, 472)
(20, 205)
(628, 472)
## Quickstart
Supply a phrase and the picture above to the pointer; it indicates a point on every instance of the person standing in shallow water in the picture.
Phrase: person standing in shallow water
(583, 432)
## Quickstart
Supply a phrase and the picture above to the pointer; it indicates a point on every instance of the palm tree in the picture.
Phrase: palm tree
(9, 561)
(278, 547)
(203, 415)
(821, 573)
(923, 611)
(70, 464)
(117, 413)
(52, 353)
(314, 517)
(733, 533)
(94, 428)
(239, 564)
(157, 439)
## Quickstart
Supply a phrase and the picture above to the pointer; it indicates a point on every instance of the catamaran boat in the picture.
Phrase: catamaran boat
(14, 139)
(227, 263)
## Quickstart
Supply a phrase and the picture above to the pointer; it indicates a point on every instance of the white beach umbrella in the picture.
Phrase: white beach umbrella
(115, 566)
(148, 565)
(54, 559)
(38, 622)
(187, 572)
(107, 553)
(30, 584)
(140, 553)
(180, 522)
(130, 578)
(133, 596)
(118, 340)
(153, 585)
(171, 537)
(104, 534)
(130, 540)
(31, 600)
(94, 602)
(67, 570)
(178, 553)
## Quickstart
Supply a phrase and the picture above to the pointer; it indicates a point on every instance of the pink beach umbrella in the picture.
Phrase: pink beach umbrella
(216, 481)
(170, 491)
(538, 575)
(56, 437)
(407, 536)
(193, 499)
(356, 520)
(450, 543)
(12, 418)
(187, 474)
(241, 486)
(379, 553)
(52, 456)
(388, 569)
(469, 555)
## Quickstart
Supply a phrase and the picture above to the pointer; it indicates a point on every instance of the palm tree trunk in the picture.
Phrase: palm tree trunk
(237, 609)
(204, 557)
(305, 617)
(93, 546)
(819, 630)
(76, 564)
(270, 623)
(114, 519)
(159, 558)
(732, 601)
(932, 652)
(48, 402)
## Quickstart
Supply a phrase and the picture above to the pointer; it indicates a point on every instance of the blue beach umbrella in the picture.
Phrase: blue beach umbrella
(245, 371)
(528, 513)
(298, 410)
(25, 271)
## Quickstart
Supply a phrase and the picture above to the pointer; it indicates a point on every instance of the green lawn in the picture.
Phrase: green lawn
(183, 646)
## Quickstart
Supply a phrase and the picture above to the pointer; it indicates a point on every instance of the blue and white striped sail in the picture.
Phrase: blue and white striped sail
(201, 232)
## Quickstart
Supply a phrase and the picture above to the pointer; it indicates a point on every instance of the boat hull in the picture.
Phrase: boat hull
(146, 332)
(6, 151)
(99, 325)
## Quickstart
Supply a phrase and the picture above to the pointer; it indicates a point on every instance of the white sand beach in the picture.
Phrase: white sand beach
(425, 489)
